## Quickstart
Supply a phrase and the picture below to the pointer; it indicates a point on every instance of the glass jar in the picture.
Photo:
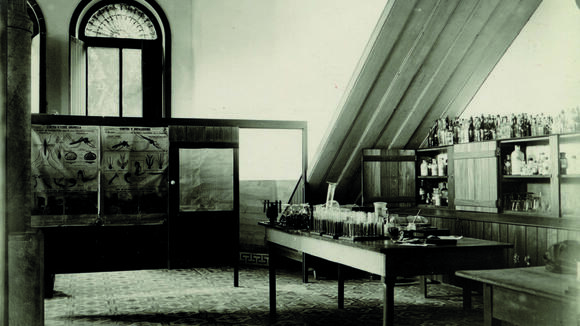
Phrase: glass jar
(424, 168)
(517, 161)
(434, 167)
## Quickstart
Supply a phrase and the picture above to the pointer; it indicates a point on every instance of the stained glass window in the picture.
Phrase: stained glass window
(120, 20)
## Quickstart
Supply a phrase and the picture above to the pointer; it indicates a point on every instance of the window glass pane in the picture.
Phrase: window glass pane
(132, 83)
(206, 179)
(35, 74)
(270, 154)
(103, 82)
(120, 20)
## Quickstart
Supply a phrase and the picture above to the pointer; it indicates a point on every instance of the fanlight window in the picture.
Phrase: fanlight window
(117, 62)
(120, 21)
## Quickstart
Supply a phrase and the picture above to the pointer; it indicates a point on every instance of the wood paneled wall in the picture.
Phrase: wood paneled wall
(530, 242)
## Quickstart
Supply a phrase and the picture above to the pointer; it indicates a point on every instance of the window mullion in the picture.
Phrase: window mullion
(120, 82)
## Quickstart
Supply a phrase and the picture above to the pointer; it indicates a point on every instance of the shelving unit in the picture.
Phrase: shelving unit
(476, 180)
(530, 194)
(427, 183)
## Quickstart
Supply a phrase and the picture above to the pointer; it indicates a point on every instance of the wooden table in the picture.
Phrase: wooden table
(528, 296)
(384, 258)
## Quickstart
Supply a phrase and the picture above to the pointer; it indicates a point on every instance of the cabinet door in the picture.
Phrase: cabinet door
(389, 176)
(476, 173)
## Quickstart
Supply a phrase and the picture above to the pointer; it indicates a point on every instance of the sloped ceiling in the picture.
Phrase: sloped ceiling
(426, 59)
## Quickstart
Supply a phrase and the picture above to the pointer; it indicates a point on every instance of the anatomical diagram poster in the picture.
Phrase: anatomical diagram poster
(134, 171)
(65, 169)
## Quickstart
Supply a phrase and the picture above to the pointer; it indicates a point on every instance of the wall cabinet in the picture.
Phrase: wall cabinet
(476, 177)
(389, 176)
(529, 186)
(482, 176)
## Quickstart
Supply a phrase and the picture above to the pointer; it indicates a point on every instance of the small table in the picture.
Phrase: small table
(528, 296)
(384, 258)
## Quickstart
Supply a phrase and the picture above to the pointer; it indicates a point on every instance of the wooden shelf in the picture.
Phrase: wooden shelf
(532, 139)
(527, 213)
(432, 206)
(528, 177)
(434, 149)
(570, 176)
(432, 177)
(570, 136)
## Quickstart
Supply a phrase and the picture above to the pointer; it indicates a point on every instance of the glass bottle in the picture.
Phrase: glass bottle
(507, 166)
(517, 160)
(424, 168)
(444, 194)
(434, 168)
(422, 193)
(436, 197)
(471, 131)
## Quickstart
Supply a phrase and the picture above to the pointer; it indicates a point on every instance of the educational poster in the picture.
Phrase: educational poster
(134, 170)
(65, 169)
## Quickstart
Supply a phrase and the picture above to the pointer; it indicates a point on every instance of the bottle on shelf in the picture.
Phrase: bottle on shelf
(517, 160)
(434, 167)
(471, 131)
(436, 197)
(424, 168)
(422, 196)
(444, 194)
(507, 166)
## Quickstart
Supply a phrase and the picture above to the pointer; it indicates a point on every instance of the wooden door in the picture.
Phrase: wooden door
(203, 221)
(476, 173)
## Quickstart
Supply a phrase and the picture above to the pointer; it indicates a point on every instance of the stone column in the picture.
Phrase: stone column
(24, 246)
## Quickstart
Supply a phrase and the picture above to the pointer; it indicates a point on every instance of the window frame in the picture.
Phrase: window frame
(155, 63)
(39, 30)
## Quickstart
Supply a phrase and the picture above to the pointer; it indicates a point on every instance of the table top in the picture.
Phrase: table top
(384, 246)
(533, 280)
(384, 257)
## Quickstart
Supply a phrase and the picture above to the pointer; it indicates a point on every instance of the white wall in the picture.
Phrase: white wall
(275, 59)
(540, 72)
(258, 59)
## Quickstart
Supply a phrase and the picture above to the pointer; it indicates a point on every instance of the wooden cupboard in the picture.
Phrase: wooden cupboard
(389, 176)
(476, 171)
(477, 179)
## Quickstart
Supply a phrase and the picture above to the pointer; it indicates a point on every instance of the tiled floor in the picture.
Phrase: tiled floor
(206, 296)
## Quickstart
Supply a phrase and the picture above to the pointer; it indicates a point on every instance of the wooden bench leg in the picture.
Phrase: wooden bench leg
(272, 282)
(488, 319)
(340, 287)
(389, 300)
(423, 284)
(304, 268)
(467, 296)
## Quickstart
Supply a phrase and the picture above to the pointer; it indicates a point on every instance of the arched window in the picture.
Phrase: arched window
(37, 59)
(117, 60)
